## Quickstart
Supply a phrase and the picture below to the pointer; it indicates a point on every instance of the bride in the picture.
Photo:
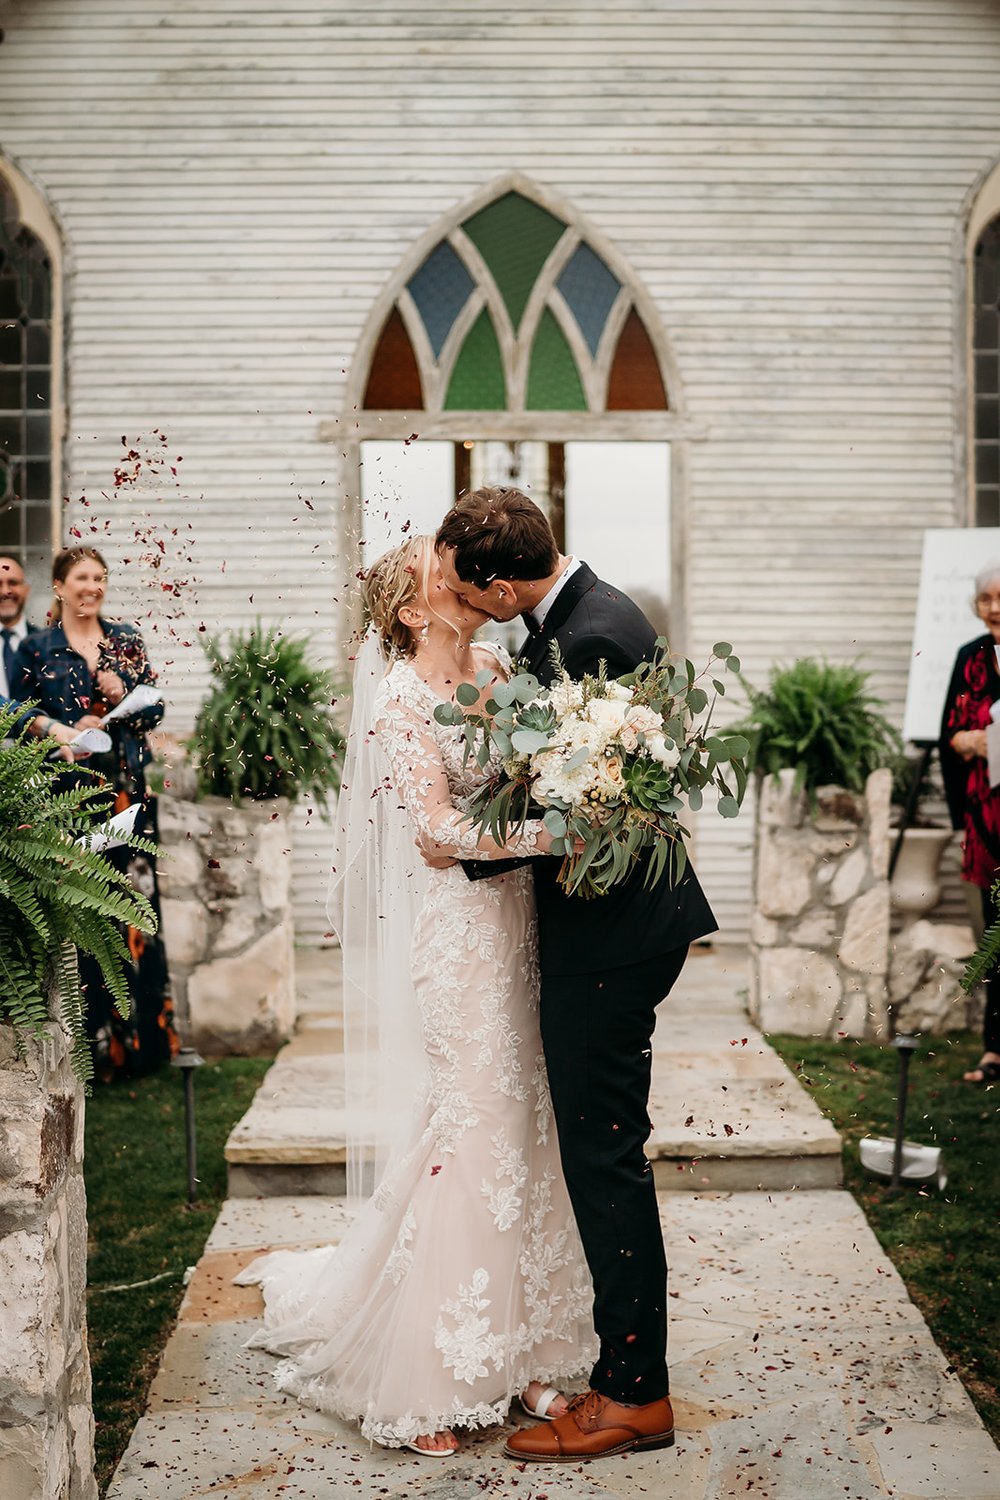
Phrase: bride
(462, 1283)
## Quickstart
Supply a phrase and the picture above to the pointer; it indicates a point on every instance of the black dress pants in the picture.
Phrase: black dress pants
(597, 1031)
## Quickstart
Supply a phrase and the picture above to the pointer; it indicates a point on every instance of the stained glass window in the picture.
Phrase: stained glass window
(635, 382)
(394, 379)
(526, 279)
(515, 237)
(986, 375)
(590, 290)
(553, 378)
(440, 290)
(477, 382)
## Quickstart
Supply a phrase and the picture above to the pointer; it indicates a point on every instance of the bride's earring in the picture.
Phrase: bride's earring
(423, 631)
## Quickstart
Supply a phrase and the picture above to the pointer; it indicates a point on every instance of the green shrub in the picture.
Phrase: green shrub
(818, 718)
(265, 729)
(56, 893)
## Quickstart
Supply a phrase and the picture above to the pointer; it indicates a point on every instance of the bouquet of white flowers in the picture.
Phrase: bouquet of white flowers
(609, 764)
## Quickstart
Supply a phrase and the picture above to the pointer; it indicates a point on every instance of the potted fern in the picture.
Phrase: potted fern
(57, 894)
(823, 749)
(264, 738)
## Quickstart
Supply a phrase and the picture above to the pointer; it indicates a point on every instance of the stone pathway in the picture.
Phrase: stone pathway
(727, 1114)
(800, 1367)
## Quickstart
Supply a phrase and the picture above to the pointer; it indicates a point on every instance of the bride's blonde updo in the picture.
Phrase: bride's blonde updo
(389, 586)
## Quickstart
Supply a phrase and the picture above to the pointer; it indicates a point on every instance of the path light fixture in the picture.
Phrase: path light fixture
(187, 1059)
(898, 1159)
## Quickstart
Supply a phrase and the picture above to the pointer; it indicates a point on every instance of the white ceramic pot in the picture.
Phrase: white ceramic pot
(916, 880)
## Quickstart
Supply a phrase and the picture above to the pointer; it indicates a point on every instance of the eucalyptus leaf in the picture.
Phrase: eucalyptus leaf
(466, 694)
(525, 687)
(722, 648)
(527, 741)
(728, 807)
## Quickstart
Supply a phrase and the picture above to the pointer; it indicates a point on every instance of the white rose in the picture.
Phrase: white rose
(619, 693)
(608, 714)
(667, 755)
(639, 720)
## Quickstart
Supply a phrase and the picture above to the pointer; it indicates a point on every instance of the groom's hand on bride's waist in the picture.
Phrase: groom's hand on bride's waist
(432, 854)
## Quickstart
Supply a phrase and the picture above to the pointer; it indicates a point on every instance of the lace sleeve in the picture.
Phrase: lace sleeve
(419, 776)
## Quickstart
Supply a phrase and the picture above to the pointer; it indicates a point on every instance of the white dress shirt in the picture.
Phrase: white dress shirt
(543, 606)
(18, 632)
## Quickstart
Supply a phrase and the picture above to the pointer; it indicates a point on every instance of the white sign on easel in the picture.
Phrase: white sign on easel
(945, 619)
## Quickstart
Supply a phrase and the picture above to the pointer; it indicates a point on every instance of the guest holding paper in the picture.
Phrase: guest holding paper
(79, 670)
(84, 665)
(973, 694)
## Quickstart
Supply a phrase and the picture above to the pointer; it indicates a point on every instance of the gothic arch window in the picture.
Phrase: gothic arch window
(30, 376)
(986, 374)
(515, 310)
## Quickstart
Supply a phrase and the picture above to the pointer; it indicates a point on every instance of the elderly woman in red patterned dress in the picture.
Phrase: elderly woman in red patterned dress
(975, 806)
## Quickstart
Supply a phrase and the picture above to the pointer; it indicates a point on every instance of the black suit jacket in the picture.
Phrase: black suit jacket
(592, 622)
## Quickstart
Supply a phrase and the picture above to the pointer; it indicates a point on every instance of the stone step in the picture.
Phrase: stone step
(727, 1114)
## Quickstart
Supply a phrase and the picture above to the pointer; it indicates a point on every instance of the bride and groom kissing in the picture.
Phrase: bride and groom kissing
(513, 1240)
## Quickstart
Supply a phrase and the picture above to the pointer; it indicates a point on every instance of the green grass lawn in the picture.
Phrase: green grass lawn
(142, 1228)
(946, 1246)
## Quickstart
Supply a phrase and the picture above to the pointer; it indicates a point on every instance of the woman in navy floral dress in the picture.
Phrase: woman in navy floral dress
(974, 805)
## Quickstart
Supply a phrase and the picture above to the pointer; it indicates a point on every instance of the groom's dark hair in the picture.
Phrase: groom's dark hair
(498, 533)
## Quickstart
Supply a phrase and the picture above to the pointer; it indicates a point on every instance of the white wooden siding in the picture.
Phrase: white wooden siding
(235, 182)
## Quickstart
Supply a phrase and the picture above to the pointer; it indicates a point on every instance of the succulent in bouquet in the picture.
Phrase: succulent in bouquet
(609, 764)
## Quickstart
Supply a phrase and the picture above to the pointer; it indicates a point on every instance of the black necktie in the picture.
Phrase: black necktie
(530, 624)
(8, 657)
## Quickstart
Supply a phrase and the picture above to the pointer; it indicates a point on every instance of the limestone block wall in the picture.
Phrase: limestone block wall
(225, 880)
(925, 971)
(46, 1422)
(819, 940)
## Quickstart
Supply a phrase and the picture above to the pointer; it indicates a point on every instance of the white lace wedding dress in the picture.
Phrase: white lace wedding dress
(463, 1278)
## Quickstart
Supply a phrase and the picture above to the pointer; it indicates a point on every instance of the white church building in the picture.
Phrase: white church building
(716, 281)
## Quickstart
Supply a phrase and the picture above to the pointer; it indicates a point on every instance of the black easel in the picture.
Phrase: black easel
(920, 768)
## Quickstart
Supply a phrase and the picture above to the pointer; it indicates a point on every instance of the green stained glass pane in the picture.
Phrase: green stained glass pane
(477, 382)
(553, 378)
(514, 236)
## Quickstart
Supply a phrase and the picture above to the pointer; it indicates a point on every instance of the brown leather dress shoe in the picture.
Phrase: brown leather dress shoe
(594, 1427)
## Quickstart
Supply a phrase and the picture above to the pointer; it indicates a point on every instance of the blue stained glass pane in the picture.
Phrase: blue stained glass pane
(590, 289)
(440, 289)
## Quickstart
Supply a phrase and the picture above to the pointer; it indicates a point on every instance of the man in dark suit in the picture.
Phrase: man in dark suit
(14, 591)
(606, 964)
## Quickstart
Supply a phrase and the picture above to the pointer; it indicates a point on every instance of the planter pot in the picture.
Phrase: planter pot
(47, 1447)
(916, 883)
(227, 922)
(819, 938)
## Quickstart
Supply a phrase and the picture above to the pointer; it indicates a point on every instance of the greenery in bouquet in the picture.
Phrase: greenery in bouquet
(57, 891)
(265, 728)
(609, 764)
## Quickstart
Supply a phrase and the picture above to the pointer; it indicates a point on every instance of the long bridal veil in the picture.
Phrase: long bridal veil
(377, 885)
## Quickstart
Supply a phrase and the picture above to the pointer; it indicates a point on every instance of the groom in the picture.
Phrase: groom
(606, 964)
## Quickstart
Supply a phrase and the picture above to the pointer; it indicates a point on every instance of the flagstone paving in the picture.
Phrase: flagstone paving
(727, 1114)
(800, 1368)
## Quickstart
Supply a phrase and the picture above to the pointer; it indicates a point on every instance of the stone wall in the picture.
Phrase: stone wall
(925, 971)
(819, 940)
(227, 922)
(46, 1423)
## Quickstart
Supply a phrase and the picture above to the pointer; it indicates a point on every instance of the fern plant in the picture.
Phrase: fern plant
(265, 729)
(57, 894)
(819, 718)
